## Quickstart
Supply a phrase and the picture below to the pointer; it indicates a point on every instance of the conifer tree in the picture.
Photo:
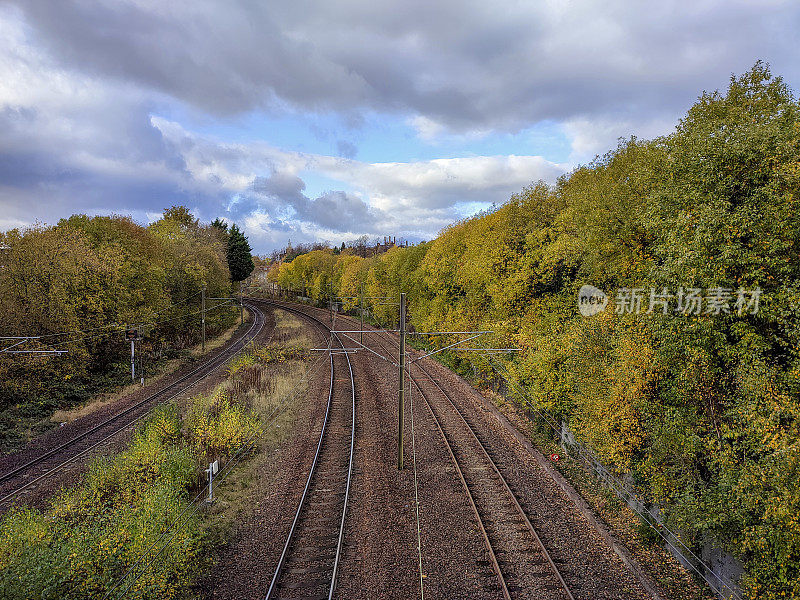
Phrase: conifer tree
(240, 262)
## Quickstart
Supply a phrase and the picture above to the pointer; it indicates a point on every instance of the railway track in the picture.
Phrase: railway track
(518, 559)
(309, 563)
(26, 477)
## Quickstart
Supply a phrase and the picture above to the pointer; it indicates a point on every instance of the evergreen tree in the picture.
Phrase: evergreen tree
(220, 229)
(240, 261)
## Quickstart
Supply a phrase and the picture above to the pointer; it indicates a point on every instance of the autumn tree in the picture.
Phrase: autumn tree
(76, 284)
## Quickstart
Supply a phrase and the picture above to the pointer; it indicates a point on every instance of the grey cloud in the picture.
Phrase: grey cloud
(87, 151)
(341, 211)
(224, 58)
(266, 234)
(468, 65)
(333, 210)
(76, 132)
(92, 194)
(285, 186)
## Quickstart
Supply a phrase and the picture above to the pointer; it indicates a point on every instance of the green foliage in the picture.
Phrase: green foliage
(220, 224)
(703, 410)
(240, 261)
(217, 425)
(266, 355)
(89, 276)
(96, 531)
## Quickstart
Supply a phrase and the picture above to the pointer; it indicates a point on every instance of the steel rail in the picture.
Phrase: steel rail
(274, 584)
(507, 488)
(502, 478)
(207, 368)
(490, 548)
(478, 518)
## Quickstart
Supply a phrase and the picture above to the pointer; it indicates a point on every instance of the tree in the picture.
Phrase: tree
(702, 411)
(219, 228)
(240, 262)
(181, 215)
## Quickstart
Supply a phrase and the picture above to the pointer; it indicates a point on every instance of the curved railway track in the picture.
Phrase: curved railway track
(35, 471)
(309, 563)
(519, 560)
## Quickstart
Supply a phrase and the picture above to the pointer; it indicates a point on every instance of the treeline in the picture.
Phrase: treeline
(700, 405)
(77, 284)
(362, 246)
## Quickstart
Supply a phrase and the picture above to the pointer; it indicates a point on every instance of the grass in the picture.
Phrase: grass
(219, 340)
(240, 494)
(287, 321)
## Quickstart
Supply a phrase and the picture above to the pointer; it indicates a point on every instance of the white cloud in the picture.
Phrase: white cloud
(427, 129)
(592, 137)
(442, 183)
(389, 186)
(6, 224)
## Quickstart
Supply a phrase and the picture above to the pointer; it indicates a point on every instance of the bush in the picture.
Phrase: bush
(217, 426)
(95, 532)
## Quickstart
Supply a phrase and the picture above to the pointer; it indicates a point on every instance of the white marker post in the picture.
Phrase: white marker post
(211, 470)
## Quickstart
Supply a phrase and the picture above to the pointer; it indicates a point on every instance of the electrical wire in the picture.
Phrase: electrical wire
(113, 325)
(120, 328)
(176, 304)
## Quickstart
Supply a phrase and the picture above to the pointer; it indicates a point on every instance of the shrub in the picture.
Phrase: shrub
(95, 532)
(217, 426)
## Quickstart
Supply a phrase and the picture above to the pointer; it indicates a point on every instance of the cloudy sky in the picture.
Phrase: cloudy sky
(328, 120)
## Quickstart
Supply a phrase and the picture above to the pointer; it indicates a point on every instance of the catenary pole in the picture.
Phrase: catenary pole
(141, 355)
(133, 363)
(402, 388)
(361, 302)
